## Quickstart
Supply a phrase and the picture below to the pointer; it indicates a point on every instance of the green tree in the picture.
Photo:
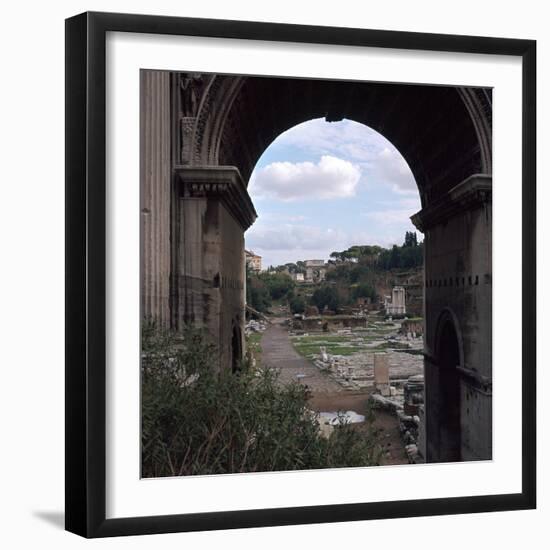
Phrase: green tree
(369, 257)
(326, 296)
(297, 304)
(278, 284)
(395, 257)
(259, 299)
(363, 290)
(410, 239)
(258, 295)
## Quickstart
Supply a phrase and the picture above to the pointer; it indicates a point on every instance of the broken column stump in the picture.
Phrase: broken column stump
(382, 374)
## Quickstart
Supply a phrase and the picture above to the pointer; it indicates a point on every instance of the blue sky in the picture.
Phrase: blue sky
(324, 186)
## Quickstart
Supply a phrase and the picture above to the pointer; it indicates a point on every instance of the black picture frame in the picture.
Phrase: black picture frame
(86, 273)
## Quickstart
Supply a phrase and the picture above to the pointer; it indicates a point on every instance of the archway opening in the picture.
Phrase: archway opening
(236, 349)
(335, 259)
(449, 394)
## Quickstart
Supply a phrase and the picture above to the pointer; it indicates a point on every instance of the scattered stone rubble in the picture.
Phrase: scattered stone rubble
(328, 420)
(407, 404)
(395, 375)
(254, 326)
(357, 371)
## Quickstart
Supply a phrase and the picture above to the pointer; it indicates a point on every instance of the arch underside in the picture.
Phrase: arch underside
(443, 132)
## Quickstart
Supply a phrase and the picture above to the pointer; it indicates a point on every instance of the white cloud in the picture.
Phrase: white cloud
(390, 168)
(282, 243)
(282, 218)
(389, 217)
(346, 138)
(330, 178)
(293, 237)
(381, 162)
(395, 213)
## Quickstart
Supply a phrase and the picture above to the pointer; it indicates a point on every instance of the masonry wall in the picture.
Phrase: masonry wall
(458, 282)
(232, 289)
(211, 271)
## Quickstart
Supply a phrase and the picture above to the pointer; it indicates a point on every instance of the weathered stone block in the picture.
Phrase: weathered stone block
(381, 369)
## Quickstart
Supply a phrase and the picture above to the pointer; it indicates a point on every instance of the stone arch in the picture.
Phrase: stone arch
(202, 135)
(478, 102)
(236, 348)
(448, 316)
(447, 405)
(444, 133)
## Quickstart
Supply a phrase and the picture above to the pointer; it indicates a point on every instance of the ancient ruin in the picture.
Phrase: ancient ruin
(395, 304)
(315, 270)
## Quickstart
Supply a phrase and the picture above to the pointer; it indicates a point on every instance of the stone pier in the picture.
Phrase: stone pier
(458, 322)
(214, 210)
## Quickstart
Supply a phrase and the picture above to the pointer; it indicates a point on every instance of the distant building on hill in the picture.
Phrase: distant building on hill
(253, 261)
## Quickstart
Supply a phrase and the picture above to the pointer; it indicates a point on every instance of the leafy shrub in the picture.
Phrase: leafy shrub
(326, 296)
(297, 304)
(259, 298)
(278, 284)
(364, 290)
(198, 420)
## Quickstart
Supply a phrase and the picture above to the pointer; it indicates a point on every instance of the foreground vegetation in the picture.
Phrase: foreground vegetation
(254, 347)
(197, 420)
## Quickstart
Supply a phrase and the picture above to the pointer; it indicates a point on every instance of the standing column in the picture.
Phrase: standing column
(155, 171)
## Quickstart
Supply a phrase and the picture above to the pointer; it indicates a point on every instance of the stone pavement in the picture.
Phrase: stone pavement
(278, 353)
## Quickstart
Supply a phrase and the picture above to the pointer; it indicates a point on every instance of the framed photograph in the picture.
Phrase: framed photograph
(290, 294)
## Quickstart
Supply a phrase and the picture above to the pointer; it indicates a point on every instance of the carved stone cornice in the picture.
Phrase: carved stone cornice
(480, 383)
(471, 193)
(223, 183)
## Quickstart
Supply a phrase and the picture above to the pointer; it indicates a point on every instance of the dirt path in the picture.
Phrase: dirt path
(278, 353)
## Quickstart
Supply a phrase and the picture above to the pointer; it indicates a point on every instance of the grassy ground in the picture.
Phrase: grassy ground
(333, 349)
(345, 344)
